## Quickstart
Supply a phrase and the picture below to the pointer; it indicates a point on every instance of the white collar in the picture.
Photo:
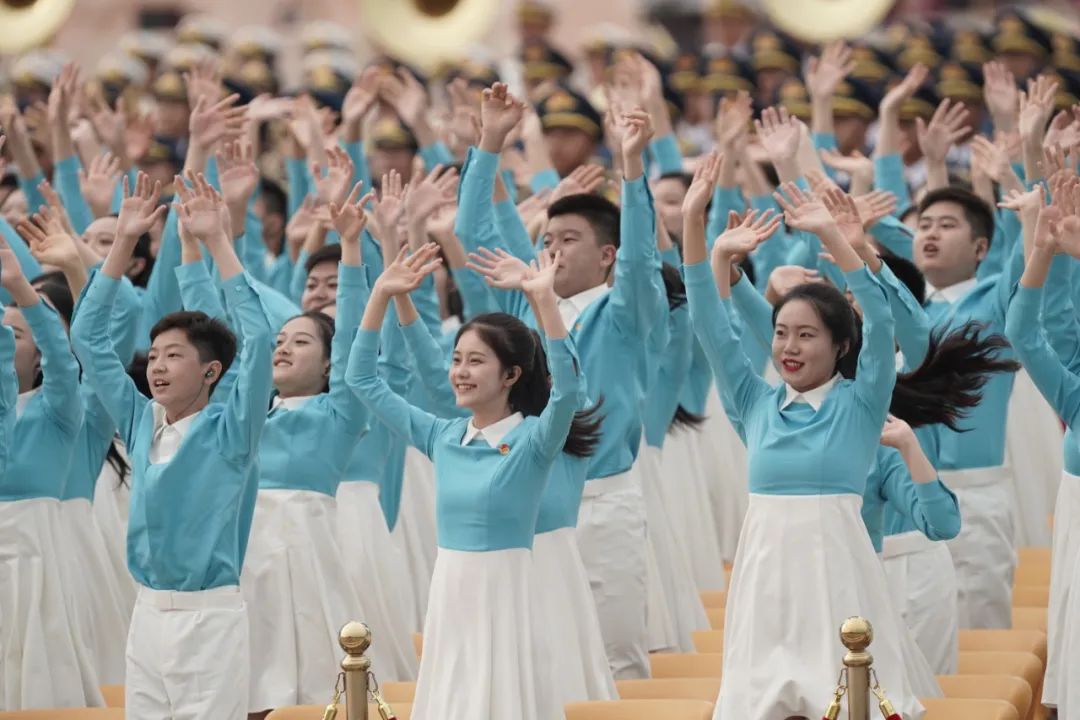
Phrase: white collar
(952, 293)
(180, 426)
(23, 400)
(289, 403)
(814, 398)
(586, 297)
(493, 433)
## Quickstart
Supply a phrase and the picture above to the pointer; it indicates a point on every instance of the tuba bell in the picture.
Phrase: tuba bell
(427, 33)
(27, 24)
(819, 21)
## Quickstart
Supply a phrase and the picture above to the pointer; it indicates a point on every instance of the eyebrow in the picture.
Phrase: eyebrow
(169, 346)
(298, 333)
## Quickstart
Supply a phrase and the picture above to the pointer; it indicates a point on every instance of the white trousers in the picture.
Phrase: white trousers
(984, 553)
(611, 537)
(188, 656)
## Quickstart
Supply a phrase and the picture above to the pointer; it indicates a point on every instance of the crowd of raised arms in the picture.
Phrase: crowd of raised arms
(512, 371)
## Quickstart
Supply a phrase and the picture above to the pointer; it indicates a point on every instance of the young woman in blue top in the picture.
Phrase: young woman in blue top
(1051, 363)
(491, 471)
(805, 562)
(45, 661)
(193, 484)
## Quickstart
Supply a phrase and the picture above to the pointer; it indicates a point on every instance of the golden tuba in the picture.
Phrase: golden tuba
(26, 24)
(823, 20)
(426, 33)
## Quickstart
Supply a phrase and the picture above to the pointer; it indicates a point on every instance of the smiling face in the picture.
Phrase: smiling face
(27, 357)
(321, 287)
(477, 376)
(802, 348)
(175, 373)
(946, 250)
(585, 262)
(301, 361)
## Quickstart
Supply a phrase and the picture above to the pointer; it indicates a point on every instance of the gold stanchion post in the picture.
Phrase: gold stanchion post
(856, 634)
(355, 639)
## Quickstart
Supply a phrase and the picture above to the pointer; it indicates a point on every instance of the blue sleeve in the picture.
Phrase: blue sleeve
(912, 322)
(476, 297)
(430, 362)
(296, 175)
(426, 301)
(250, 246)
(876, 374)
(198, 292)
(124, 323)
(436, 154)
(1059, 313)
(299, 277)
(665, 153)
(894, 236)
(29, 186)
(889, 176)
(162, 290)
(1060, 387)
(245, 407)
(60, 386)
(9, 382)
(104, 372)
(361, 171)
(280, 274)
(711, 319)
(825, 141)
(724, 200)
(931, 507)
(66, 179)
(637, 299)
(512, 230)
(418, 427)
(30, 267)
(352, 297)
(558, 414)
(546, 179)
(755, 312)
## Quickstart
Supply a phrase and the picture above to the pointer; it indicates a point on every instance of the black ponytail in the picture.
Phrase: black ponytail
(514, 344)
(675, 289)
(948, 383)
(118, 463)
(685, 418)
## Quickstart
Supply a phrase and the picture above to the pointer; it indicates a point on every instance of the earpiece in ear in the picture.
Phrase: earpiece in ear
(209, 374)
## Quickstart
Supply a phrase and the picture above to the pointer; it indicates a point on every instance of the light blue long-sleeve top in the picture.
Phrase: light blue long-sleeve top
(797, 451)
(662, 396)
(91, 447)
(610, 334)
(486, 498)
(190, 517)
(9, 392)
(43, 438)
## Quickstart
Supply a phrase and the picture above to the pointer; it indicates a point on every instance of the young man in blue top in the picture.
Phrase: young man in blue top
(953, 237)
(610, 297)
(193, 490)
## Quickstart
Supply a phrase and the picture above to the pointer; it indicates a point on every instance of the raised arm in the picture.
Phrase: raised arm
(946, 128)
(912, 485)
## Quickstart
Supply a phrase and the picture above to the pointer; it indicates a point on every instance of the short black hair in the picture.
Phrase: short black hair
(274, 198)
(325, 254)
(907, 273)
(684, 178)
(212, 338)
(977, 213)
(601, 214)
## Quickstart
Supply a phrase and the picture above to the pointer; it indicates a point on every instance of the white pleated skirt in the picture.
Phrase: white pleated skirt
(1033, 438)
(97, 593)
(298, 596)
(1067, 675)
(724, 460)
(378, 572)
(480, 655)
(685, 492)
(683, 600)
(805, 564)
(1063, 583)
(566, 613)
(110, 508)
(414, 532)
(44, 661)
(922, 581)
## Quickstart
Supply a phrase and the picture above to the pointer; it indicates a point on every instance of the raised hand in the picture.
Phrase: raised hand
(1001, 95)
(824, 73)
(139, 209)
(55, 207)
(540, 280)
(49, 241)
(266, 107)
(1024, 202)
(98, 183)
(1057, 164)
(1036, 106)
(582, 180)
(429, 193)
(214, 122)
(500, 112)
(203, 81)
(1067, 197)
(803, 212)
(350, 219)
(843, 210)
(333, 185)
(499, 268)
(296, 230)
(744, 234)
(733, 119)
(200, 208)
(406, 272)
(637, 131)
(991, 157)
(404, 93)
(389, 207)
(464, 127)
(859, 167)
(874, 206)
(238, 175)
(947, 126)
(61, 97)
(787, 277)
(139, 136)
(1064, 129)
(896, 433)
(702, 186)
(110, 124)
(11, 273)
(904, 90)
(361, 96)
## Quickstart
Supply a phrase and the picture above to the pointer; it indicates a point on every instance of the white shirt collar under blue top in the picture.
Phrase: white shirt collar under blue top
(168, 436)
(289, 403)
(493, 433)
(23, 400)
(814, 398)
(571, 308)
(952, 293)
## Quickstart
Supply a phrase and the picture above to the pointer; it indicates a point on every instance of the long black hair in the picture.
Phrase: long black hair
(675, 289)
(514, 344)
(946, 385)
